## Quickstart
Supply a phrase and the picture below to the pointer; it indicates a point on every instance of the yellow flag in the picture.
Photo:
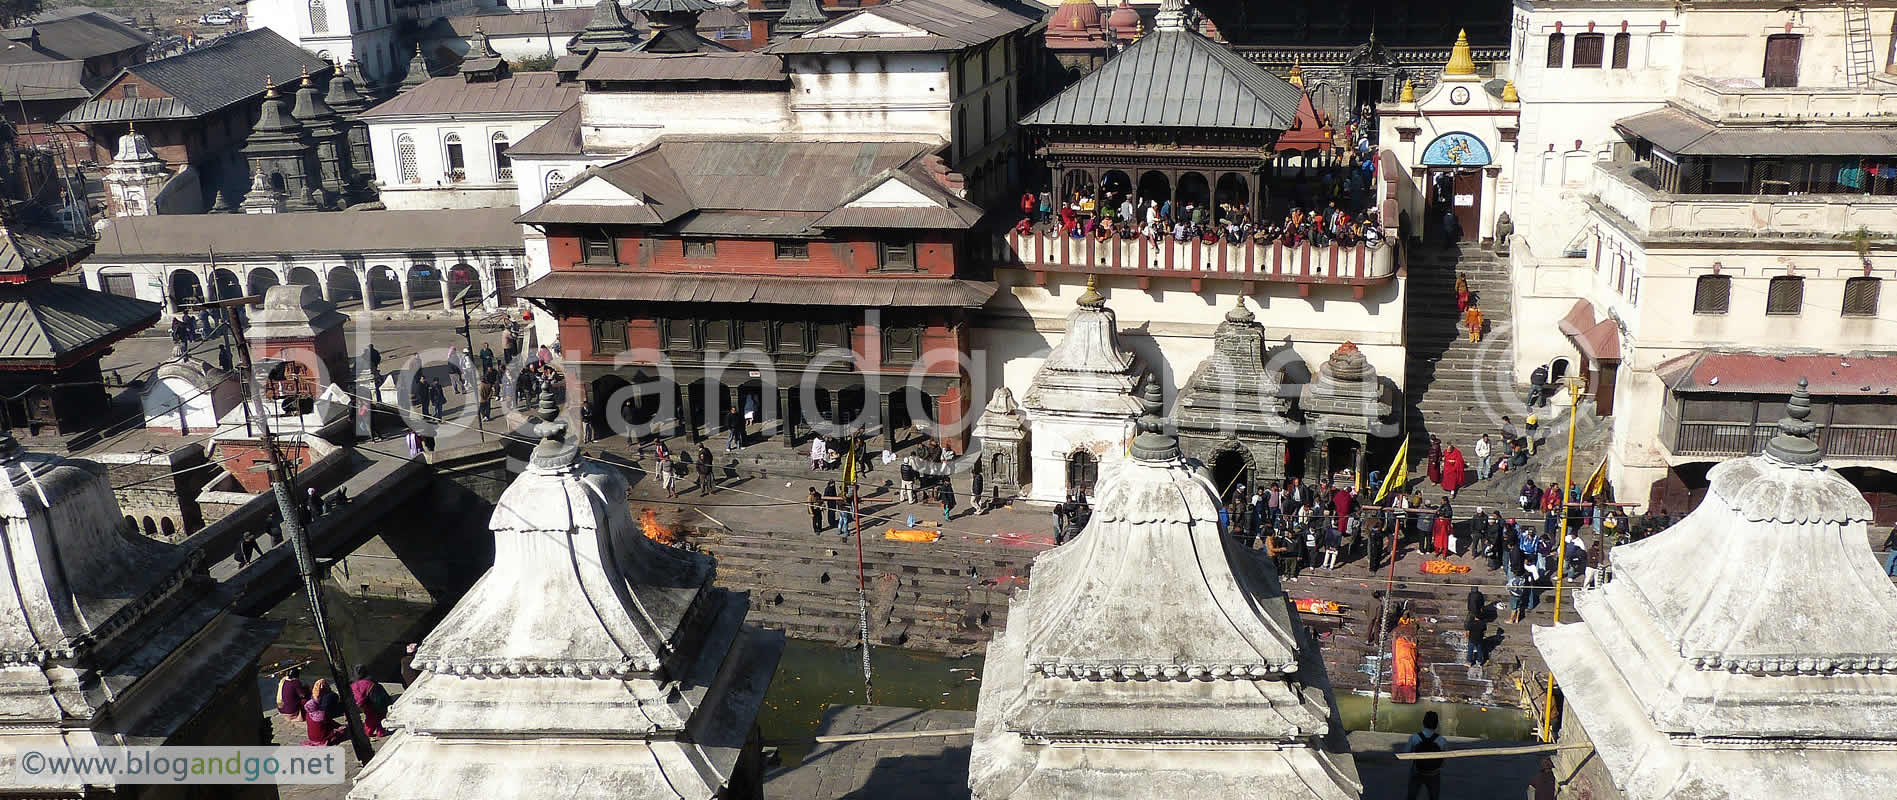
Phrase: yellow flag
(1598, 482)
(849, 466)
(1399, 473)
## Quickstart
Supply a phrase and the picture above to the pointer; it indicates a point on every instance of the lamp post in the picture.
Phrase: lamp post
(1561, 555)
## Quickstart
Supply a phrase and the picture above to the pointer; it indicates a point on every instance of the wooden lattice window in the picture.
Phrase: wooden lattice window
(1589, 49)
(1860, 296)
(609, 335)
(1557, 50)
(1623, 48)
(1785, 295)
(1712, 294)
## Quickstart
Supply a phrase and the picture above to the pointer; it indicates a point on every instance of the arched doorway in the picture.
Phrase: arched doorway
(385, 287)
(345, 288)
(304, 276)
(1155, 187)
(1076, 183)
(1115, 186)
(1232, 195)
(225, 284)
(185, 288)
(1193, 190)
(1557, 369)
(462, 276)
(424, 286)
(1340, 454)
(1231, 470)
(1083, 472)
(261, 280)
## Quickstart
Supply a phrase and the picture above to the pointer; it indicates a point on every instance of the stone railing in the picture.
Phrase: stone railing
(1359, 265)
(1808, 215)
(1721, 101)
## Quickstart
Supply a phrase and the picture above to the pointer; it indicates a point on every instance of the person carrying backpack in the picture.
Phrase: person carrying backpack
(1426, 773)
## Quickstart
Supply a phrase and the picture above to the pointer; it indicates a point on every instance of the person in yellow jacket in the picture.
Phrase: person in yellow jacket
(1472, 318)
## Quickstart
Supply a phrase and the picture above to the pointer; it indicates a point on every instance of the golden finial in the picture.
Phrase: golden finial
(1091, 298)
(1509, 94)
(1297, 75)
(269, 87)
(1409, 92)
(306, 76)
(1461, 62)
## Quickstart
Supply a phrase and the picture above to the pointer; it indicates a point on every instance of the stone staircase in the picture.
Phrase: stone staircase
(1453, 388)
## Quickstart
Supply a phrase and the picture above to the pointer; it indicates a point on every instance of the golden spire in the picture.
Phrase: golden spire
(1409, 92)
(1091, 298)
(1297, 75)
(1460, 61)
(306, 76)
(1509, 94)
(269, 87)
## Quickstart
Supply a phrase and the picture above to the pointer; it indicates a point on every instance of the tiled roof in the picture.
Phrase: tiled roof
(83, 35)
(51, 80)
(1174, 79)
(226, 72)
(559, 136)
(948, 25)
(874, 292)
(45, 322)
(1854, 374)
(680, 178)
(561, 21)
(267, 235)
(1683, 133)
(520, 93)
(666, 67)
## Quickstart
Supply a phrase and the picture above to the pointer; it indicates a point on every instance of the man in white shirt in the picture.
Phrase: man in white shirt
(1484, 458)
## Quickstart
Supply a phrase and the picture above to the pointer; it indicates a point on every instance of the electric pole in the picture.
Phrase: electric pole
(293, 527)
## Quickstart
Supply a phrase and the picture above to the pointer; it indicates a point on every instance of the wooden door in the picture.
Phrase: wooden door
(1604, 388)
(1781, 59)
(1468, 203)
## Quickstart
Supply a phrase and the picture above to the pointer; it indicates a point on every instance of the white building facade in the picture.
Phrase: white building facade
(445, 144)
(363, 31)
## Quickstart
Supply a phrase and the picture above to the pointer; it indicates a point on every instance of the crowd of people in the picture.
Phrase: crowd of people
(320, 708)
(1123, 216)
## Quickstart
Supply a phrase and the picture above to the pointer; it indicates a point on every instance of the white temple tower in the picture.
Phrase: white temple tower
(590, 663)
(1749, 651)
(1081, 404)
(134, 178)
(1153, 659)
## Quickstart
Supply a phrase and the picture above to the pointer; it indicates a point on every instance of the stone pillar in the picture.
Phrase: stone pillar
(408, 303)
(885, 412)
(682, 412)
(362, 278)
(787, 424)
(441, 282)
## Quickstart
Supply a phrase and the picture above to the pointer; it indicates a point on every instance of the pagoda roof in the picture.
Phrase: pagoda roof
(1174, 79)
(30, 249)
(46, 324)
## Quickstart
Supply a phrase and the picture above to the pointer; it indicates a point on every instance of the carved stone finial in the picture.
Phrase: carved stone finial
(554, 451)
(1794, 443)
(1153, 444)
(1240, 312)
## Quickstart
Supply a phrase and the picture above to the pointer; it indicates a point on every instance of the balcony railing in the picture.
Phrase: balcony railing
(1808, 215)
(1359, 265)
(1733, 101)
(1738, 439)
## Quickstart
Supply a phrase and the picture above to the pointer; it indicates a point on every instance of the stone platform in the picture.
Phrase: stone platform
(928, 768)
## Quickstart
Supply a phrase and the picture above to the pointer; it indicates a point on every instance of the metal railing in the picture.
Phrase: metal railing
(1738, 438)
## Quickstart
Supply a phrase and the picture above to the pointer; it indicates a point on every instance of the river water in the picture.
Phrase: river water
(811, 677)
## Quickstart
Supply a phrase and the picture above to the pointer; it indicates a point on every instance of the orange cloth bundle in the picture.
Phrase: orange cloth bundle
(1441, 567)
(1312, 605)
(913, 535)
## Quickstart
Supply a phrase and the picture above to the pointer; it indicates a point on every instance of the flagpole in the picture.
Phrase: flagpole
(1561, 556)
(862, 585)
(1396, 546)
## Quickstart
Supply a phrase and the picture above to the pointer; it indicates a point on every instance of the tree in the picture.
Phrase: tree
(525, 63)
(14, 12)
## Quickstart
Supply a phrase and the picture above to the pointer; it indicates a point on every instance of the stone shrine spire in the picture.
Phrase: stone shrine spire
(1151, 657)
(1082, 398)
(1748, 651)
(1172, 16)
(608, 31)
(589, 663)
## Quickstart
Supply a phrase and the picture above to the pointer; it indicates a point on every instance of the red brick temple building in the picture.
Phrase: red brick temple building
(767, 274)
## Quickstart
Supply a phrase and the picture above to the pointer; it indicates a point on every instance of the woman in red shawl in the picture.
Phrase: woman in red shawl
(372, 699)
(1454, 468)
(1442, 535)
(1462, 293)
(320, 712)
(1435, 460)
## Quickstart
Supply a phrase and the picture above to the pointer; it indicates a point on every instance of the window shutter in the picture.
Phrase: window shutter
(1860, 296)
(1712, 294)
(1785, 295)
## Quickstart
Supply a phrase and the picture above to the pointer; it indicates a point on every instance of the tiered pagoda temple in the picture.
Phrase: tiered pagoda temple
(1154, 658)
(1749, 651)
(590, 662)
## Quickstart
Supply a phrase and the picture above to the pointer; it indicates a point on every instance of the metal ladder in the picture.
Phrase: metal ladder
(1859, 60)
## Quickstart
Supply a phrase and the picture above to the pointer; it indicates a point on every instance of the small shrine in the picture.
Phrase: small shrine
(1345, 407)
(1232, 415)
(188, 395)
(1457, 141)
(1081, 403)
(589, 663)
(109, 638)
(1749, 651)
(1077, 36)
(135, 177)
(1004, 444)
(1153, 658)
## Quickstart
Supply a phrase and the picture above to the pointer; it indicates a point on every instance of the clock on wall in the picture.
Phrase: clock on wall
(1459, 96)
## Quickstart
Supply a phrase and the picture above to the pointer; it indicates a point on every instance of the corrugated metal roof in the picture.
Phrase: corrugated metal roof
(520, 93)
(50, 80)
(729, 223)
(83, 35)
(199, 82)
(950, 25)
(560, 21)
(674, 6)
(1174, 79)
(30, 249)
(646, 67)
(1855, 374)
(44, 321)
(560, 136)
(1682, 133)
(172, 235)
(907, 291)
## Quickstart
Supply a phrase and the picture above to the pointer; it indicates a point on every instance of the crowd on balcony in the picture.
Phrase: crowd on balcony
(1119, 215)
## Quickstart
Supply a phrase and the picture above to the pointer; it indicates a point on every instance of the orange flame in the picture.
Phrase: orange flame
(649, 522)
